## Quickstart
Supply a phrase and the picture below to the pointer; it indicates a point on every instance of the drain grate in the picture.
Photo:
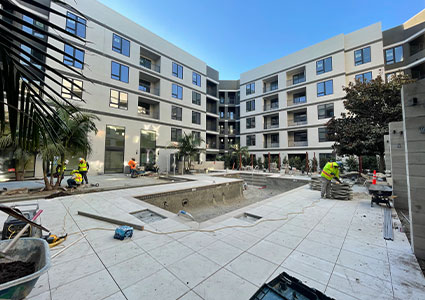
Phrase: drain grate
(248, 218)
(147, 216)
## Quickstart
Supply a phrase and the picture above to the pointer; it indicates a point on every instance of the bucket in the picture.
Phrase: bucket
(26, 250)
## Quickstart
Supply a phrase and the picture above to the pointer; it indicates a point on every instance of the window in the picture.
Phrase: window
(118, 99)
(365, 77)
(196, 79)
(144, 86)
(145, 62)
(298, 78)
(250, 123)
(222, 114)
(73, 55)
(176, 113)
(76, 25)
(177, 91)
(114, 149)
(323, 135)
(362, 56)
(325, 111)
(250, 140)
(30, 30)
(325, 88)
(274, 85)
(196, 117)
(147, 146)
(197, 137)
(177, 70)
(250, 88)
(250, 105)
(143, 108)
(300, 136)
(119, 72)
(74, 86)
(300, 98)
(120, 45)
(34, 52)
(196, 98)
(176, 134)
(324, 65)
(394, 55)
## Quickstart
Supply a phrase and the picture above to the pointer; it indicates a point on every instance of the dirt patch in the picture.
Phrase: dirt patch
(403, 214)
(15, 270)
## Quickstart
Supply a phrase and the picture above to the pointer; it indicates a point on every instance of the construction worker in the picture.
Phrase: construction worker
(75, 180)
(83, 167)
(61, 170)
(133, 171)
(329, 172)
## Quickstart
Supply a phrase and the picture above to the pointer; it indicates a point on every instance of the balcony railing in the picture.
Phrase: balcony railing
(298, 144)
(212, 110)
(271, 125)
(269, 88)
(296, 123)
(212, 92)
(271, 145)
(150, 66)
(149, 90)
(268, 107)
(211, 145)
(210, 128)
(151, 115)
(295, 81)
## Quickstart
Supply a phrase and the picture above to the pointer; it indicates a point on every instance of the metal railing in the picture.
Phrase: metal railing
(291, 102)
(146, 89)
(294, 81)
(268, 107)
(151, 115)
(269, 88)
(211, 145)
(150, 66)
(270, 125)
(271, 145)
(212, 110)
(298, 144)
(212, 92)
(296, 123)
(209, 128)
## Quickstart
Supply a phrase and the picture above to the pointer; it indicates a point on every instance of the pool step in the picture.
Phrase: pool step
(254, 179)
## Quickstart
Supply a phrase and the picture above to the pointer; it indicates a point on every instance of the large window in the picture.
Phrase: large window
(144, 86)
(196, 117)
(176, 134)
(323, 135)
(119, 72)
(324, 65)
(72, 89)
(394, 55)
(250, 88)
(250, 140)
(177, 91)
(118, 99)
(73, 54)
(250, 123)
(120, 45)
(325, 111)
(196, 98)
(177, 70)
(196, 79)
(176, 113)
(197, 136)
(362, 56)
(76, 25)
(325, 88)
(250, 105)
(145, 62)
(365, 77)
(300, 98)
(147, 147)
(30, 30)
(298, 78)
(114, 149)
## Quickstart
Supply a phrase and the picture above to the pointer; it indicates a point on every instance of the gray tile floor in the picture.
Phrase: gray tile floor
(335, 246)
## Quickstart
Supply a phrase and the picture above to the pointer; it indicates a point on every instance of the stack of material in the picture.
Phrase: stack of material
(315, 183)
(342, 191)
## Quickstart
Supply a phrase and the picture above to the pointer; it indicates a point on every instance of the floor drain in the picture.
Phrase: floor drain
(248, 218)
(147, 216)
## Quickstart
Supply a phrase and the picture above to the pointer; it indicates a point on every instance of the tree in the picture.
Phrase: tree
(370, 106)
(188, 147)
(240, 153)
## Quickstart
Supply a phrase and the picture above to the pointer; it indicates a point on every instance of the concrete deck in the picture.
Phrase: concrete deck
(336, 247)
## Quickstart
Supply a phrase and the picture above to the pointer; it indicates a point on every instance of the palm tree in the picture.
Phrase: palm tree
(188, 147)
(239, 152)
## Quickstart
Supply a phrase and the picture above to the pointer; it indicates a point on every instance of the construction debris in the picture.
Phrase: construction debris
(388, 225)
(342, 191)
(315, 183)
(110, 220)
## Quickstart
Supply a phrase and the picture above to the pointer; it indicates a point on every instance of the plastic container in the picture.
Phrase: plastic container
(27, 250)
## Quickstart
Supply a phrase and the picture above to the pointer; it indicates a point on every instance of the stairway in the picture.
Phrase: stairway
(254, 179)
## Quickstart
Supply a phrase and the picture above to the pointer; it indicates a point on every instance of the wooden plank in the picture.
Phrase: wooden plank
(110, 220)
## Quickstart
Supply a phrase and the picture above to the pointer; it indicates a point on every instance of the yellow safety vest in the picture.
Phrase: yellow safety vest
(330, 171)
(82, 167)
(78, 178)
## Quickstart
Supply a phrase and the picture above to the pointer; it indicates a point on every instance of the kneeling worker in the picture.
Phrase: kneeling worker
(330, 171)
(75, 180)
(133, 171)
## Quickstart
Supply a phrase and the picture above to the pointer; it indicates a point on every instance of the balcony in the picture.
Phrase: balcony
(212, 89)
(297, 79)
(271, 106)
(297, 97)
(149, 84)
(211, 145)
(271, 87)
(271, 140)
(297, 138)
(147, 108)
(270, 84)
(271, 145)
(211, 106)
(150, 60)
(297, 118)
(270, 125)
(298, 143)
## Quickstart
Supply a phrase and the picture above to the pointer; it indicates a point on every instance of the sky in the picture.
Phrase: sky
(235, 36)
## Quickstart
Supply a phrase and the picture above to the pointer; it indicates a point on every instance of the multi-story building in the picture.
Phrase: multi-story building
(147, 92)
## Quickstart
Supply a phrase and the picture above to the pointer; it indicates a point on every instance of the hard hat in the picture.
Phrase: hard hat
(74, 171)
(81, 158)
(339, 164)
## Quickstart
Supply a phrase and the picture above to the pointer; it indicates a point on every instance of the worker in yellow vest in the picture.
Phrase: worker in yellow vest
(329, 172)
(83, 167)
(60, 171)
(75, 180)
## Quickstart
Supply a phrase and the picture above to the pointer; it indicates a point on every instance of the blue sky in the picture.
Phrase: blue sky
(236, 36)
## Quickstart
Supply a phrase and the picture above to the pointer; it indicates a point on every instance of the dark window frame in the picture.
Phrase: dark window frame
(178, 133)
(325, 66)
(361, 77)
(325, 89)
(250, 88)
(323, 131)
(196, 78)
(70, 60)
(251, 140)
(67, 94)
(121, 48)
(297, 96)
(196, 98)
(363, 59)
(179, 91)
(250, 123)
(197, 116)
(118, 104)
(325, 108)
(119, 76)
(78, 22)
(176, 113)
(179, 70)
(250, 105)
(394, 58)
